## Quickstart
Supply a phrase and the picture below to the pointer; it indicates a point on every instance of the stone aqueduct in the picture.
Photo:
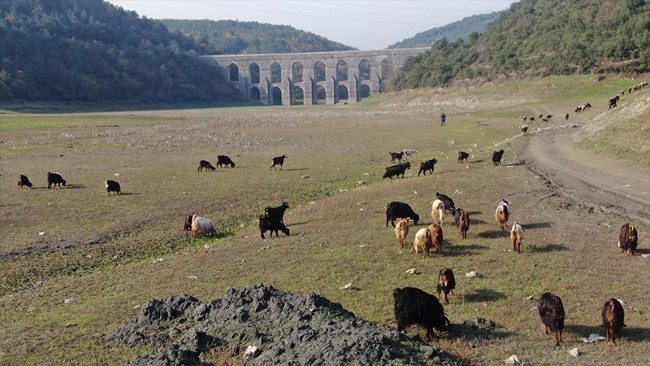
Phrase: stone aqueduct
(314, 77)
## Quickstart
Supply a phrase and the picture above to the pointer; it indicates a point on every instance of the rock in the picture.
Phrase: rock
(346, 286)
(574, 352)
(512, 360)
(593, 338)
(412, 271)
(645, 255)
(252, 352)
(274, 327)
(41, 233)
(304, 176)
(472, 274)
(481, 324)
(68, 300)
(530, 297)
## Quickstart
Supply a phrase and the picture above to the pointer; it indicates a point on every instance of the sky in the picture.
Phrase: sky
(363, 24)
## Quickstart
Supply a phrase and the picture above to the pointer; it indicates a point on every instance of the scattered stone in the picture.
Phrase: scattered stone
(530, 297)
(512, 360)
(481, 324)
(304, 176)
(592, 338)
(472, 274)
(346, 287)
(68, 300)
(645, 255)
(412, 271)
(192, 277)
(158, 260)
(285, 329)
(117, 174)
(252, 352)
(41, 233)
(574, 352)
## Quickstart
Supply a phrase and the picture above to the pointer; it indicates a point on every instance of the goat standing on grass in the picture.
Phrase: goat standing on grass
(515, 236)
(502, 214)
(461, 219)
(551, 311)
(613, 318)
(446, 283)
(278, 160)
(402, 230)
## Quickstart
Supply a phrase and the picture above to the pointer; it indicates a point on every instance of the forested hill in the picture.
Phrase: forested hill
(542, 37)
(90, 50)
(453, 31)
(231, 36)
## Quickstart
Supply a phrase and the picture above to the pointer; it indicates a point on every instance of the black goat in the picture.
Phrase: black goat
(496, 157)
(396, 210)
(278, 160)
(112, 186)
(268, 224)
(414, 306)
(396, 170)
(462, 156)
(55, 179)
(224, 160)
(277, 213)
(427, 166)
(204, 164)
(448, 202)
(24, 182)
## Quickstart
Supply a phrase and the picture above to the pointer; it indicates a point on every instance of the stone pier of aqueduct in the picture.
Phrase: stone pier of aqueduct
(314, 77)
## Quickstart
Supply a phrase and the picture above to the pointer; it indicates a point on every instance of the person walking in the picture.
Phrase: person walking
(443, 119)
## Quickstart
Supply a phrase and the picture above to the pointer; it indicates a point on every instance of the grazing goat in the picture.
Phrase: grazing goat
(566, 117)
(549, 116)
(502, 214)
(436, 237)
(532, 119)
(24, 182)
(613, 319)
(397, 210)
(496, 157)
(524, 128)
(224, 160)
(422, 242)
(427, 166)
(612, 102)
(551, 311)
(112, 186)
(446, 283)
(396, 156)
(409, 152)
(462, 156)
(515, 236)
(55, 179)
(628, 239)
(449, 203)
(402, 230)
(416, 307)
(438, 211)
(272, 225)
(277, 213)
(199, 226)
(461, 219)
(278, 160)
(396, 170)
(204, 164)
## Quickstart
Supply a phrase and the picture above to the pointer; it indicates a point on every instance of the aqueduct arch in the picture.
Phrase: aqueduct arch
(300, 78)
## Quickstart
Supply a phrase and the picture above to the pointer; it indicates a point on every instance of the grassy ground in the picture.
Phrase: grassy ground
(103, 253)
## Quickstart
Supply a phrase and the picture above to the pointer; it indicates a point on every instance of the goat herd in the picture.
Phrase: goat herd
(413, 306)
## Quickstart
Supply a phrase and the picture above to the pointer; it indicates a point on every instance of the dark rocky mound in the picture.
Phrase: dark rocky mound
(287, 329)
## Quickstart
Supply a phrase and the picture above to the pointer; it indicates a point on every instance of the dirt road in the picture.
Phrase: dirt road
(609, 184)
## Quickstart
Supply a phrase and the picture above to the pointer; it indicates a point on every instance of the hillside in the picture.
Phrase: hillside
(231, 36)
(540, 38)
(89, 50)
(453, 31)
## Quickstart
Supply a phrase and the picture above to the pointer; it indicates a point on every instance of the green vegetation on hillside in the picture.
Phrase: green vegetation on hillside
(231, 36)
(89, 50)
(539, 38)
(453, 31)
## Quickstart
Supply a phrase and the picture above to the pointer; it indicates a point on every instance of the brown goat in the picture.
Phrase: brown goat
(628, 239)
(613, 319)
(402, 230)
(502, 214)
(436, 237)
(396, 156)
(446, 283)
(462, 221)
(515, 236)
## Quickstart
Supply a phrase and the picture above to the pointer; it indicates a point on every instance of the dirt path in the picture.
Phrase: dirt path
(610, 184)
